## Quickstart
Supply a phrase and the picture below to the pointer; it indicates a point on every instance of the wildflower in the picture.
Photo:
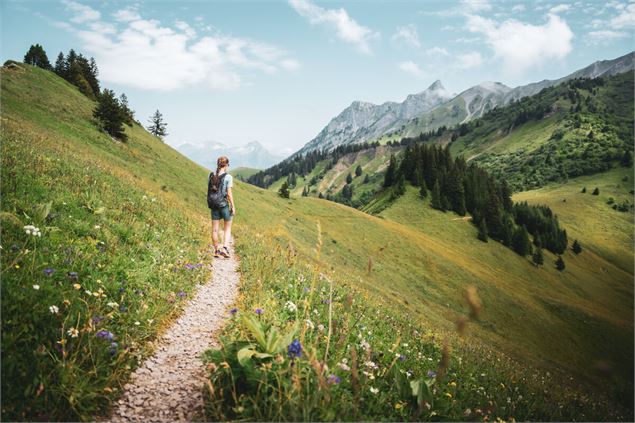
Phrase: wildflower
(342, 365)
(321, 327)
(122, 290)
(48, 271)
(291, 307)
(258, 311)
(334, 379)
(294, 350)
(467, 412)
(105, 335)
(77, 286)
(365, 345)
(123, 308)
(112, 304)
(66, 303)
(73, 333)
(32, 230)
(233, 311)
(401, 357)
(374, 391)
(453, 384)
(54, 309)
(87, 292)
(431, 373)
(399, 405)
(72, 276)
(97, 319)
(36, 287)
(137, 323)
(306, 289)
(309, 324)
(181, 294)
(371, 365)
(449, 395)
(113, 348)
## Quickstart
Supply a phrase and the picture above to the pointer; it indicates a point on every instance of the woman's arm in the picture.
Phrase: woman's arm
(230, 198)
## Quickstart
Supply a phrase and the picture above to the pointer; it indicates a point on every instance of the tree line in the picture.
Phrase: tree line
(453, 185)
(111, 112)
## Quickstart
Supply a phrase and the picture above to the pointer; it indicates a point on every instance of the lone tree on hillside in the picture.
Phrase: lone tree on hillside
(305, 191)
(358, 170)
(349, 178)
(576, 247)
(110, 115)
(128, 112)
(560, 264)
(537, 257)
(596, 191)
(389, 177)
(158, 126)
(284, 190)
(366, 179)
(583, 190)
(36, 56)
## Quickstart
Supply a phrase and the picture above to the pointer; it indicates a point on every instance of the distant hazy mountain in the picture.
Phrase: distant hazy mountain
(434, 108)
(363, 121)
(252, 155)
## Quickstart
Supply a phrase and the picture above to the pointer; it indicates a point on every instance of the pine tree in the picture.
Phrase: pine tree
(358, 170)
(537, 257)
(123, 100)
(60, 68)
(455, 192)
(366, 179)
(110, 115)
(400, 189)
(349, 178)
(389, 177)
(596, 191)
(436, 202)
(520, 241)
(627, 159)
(583, 190)
(482, 231)
(560, 264)
(576, 247)
(305, 191)
(284, 190)
(158, 126)
(320, 195)
(423, 191)
(36, 56)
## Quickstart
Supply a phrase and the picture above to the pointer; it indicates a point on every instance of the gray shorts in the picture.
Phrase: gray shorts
(223, 213)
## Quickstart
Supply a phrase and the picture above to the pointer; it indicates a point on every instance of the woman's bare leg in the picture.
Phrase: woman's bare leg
(227, 235)
(215, 226)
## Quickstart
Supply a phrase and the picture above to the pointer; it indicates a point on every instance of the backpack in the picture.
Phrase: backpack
(216, 199)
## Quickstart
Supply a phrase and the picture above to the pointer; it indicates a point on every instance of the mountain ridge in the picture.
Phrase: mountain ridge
(252, 155)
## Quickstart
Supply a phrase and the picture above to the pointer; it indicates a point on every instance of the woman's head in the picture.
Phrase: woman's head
(222, 162)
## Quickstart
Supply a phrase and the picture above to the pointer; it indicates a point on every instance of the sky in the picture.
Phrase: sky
(277, 72)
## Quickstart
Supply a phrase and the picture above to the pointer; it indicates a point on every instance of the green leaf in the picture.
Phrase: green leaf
(244, 354)
(43, 210)
(255, 328)
(100, 210)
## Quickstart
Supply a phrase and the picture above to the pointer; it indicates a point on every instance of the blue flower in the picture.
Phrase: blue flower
(334, 379)
(122, 290)
(105, 334)
(181, 294)
(294, 350)
(49, 271)
(402, 357)
(97, 319)
(432, 373)
(259, 311)
(72, 276)
(233, 311)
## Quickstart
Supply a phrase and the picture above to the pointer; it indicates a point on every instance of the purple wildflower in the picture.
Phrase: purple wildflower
(432, 373)
(122, 290)
(334, 379)
(326, 301)
(105, 334)
(97, 319)
(113, 348)
(402, 357)
(306, 289)
(181, 294)
(72, 276)
(49, 271)
(233, 311)
(123, 308)
(294, 350)
(259, 311)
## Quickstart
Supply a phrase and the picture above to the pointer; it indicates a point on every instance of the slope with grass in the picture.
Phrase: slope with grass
(243, 173)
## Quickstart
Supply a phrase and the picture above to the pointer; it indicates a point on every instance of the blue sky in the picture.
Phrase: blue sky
(277, 72)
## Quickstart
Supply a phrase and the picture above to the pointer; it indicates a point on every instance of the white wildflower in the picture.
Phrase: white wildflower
(321, 327)
(291, 307)
(36, 287)
(32, 230)
(343, 366)
(112, 304)
(309, 324)
(374, 390)
(73, 333)
(370, 365)
(137, 323)
(54, 309)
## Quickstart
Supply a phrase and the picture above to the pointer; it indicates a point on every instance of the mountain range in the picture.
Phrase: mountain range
(252, 154)
(435, 107)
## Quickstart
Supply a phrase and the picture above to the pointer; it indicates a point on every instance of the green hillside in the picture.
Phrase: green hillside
(244, 173)
(128, 223)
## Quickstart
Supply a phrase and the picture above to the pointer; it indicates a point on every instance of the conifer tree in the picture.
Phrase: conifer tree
(358, 170)
(596, 191)
(36, 56)
(366, 179)
(305, 191)
(400, 189)
(123, 100)
(423, 191)
(482, 231)
(436, 201)
(520, 241)
(110, 115)
(320, 195)
(576, 247)
(284, 190)
(60, 65)
(560, 264)
(537, 257)
(158, 126)
(389, 177)
(583, 190)
(349, 178)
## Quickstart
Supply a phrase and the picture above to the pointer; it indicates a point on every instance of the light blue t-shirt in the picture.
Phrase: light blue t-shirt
(228, 182)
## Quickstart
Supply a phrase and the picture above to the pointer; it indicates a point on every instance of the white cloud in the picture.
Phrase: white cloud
(560, 8)
(144, 53)
(518, 8)
(411, 68)
(346, 28)
(626, 18)
(81, 12)
(469, 60)
(472, 6)
(605, 36)
(437, 51)
(407, 34)
(522, 46)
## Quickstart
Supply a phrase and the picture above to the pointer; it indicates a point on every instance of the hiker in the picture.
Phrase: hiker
(221, 201)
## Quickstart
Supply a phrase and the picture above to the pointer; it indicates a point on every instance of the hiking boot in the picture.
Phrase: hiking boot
(216, 253)
(225, 252)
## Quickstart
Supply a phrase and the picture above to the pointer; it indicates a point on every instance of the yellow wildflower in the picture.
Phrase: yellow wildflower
(449, 395)
(77, 286)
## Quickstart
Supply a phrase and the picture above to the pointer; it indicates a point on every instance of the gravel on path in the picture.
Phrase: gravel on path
(168, 385)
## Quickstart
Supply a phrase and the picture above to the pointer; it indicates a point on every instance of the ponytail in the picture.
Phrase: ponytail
(220, 163)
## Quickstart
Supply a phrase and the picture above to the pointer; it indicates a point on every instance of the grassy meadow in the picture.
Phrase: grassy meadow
(128, 224)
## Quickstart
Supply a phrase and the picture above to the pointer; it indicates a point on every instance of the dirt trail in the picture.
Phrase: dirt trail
(167, 386)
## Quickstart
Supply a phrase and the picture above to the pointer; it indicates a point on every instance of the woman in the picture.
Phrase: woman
(221, 201)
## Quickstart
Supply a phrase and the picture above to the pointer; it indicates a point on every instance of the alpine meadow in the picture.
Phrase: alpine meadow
(450, 257)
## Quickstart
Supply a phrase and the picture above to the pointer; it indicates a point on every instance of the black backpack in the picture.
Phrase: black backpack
(216, 199)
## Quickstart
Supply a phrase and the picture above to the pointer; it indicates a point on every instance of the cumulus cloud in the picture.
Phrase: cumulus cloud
(560, 8)
(518, 8)
(437, 51)
(625, 19)
(146, 54)
(407, 34)
(411, 68)
(469, 60)
(522, 46)
(474, 6)
(346, 28)
(605, 36)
